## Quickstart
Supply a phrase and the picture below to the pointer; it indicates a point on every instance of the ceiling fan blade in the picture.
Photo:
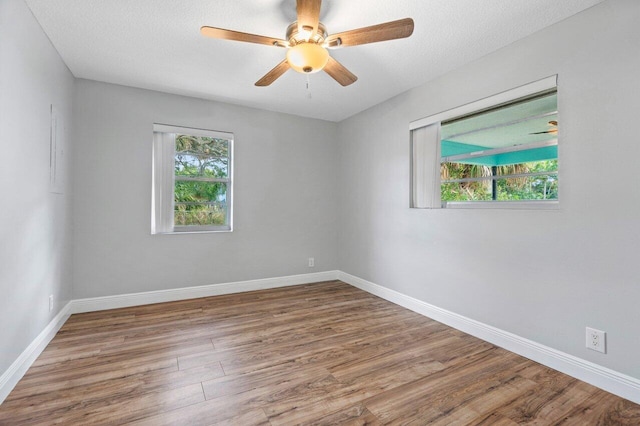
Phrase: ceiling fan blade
(553, 131)
(339, 73)
(388, 31)
(308, 16)
(240, 36)
(273, 75)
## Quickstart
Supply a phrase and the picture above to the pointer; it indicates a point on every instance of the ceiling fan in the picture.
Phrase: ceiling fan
(553, 128)
(307, 42)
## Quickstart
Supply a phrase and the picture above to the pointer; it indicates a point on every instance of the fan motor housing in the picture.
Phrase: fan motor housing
(293, 36)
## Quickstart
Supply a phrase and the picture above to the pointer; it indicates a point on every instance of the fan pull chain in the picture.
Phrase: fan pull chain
(308, 87)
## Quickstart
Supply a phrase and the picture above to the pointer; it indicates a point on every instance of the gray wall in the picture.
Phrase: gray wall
(339, 193)
(544, 275)
(35, 225)
(284, 195)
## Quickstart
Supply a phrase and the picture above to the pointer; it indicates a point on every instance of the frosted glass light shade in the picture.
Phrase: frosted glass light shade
(307, 58)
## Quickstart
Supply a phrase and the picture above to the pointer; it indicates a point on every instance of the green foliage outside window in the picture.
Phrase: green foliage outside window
(200, 198)
(540, 187)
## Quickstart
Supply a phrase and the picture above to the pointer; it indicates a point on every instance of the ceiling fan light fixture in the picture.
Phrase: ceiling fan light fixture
(307, 42)
(307, 58)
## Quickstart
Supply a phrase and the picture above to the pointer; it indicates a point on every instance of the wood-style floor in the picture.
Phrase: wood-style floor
(323, 353)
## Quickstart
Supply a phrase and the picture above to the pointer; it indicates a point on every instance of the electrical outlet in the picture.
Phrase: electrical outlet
(51, 303)
(312, 262)
(596, 340)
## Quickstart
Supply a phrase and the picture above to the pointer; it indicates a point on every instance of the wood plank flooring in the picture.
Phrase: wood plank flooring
(324, 353)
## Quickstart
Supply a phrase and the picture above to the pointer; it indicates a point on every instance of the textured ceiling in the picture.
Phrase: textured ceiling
(156, 44)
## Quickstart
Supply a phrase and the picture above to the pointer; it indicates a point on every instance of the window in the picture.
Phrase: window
(192, 186)
(498, 152)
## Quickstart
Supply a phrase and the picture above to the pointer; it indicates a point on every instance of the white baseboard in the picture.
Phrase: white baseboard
(135, 299)
(612, 381)
(14, 373)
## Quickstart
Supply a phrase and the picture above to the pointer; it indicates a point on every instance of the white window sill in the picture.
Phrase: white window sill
(514, 205)
(196, 230)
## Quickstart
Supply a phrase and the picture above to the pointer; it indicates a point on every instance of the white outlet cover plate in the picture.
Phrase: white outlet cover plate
(596, 340)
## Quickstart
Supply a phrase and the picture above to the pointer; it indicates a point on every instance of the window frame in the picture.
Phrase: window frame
(432, 200)
(163, 180)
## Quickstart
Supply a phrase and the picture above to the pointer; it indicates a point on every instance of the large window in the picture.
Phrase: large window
(509, 153)
(191, 180)
(498, 152)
